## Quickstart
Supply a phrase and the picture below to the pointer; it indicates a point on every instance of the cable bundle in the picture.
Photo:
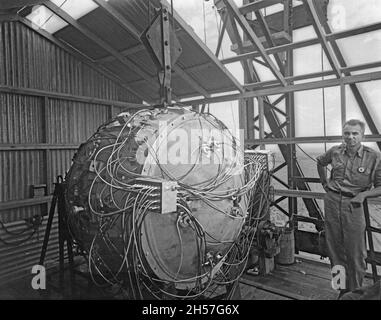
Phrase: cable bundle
(198, 251)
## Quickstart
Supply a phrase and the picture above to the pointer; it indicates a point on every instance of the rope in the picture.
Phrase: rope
(204, 19)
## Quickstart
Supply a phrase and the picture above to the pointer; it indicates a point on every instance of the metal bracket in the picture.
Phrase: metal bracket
(164, 48)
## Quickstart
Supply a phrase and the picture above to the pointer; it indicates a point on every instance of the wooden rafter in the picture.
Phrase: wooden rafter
(10, 4)
(79, 55)
(101, 43)
(125, 53)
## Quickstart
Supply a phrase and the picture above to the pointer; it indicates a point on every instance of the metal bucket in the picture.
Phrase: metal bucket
(286, 256)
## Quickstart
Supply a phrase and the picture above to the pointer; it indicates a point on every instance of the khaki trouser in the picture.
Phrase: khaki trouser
(345, 236)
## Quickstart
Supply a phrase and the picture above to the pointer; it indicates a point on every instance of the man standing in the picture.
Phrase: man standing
(355, 169)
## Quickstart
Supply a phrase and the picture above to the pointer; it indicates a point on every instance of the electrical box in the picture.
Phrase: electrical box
(164, 194)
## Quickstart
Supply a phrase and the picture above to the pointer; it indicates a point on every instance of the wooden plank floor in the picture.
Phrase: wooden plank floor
(304, 280)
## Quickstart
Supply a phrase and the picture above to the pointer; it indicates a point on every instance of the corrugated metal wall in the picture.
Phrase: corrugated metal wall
(27, 60)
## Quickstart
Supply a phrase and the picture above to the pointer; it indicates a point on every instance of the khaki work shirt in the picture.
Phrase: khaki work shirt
(352, 174)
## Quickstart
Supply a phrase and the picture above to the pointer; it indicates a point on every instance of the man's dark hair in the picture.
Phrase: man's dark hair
(355, 122)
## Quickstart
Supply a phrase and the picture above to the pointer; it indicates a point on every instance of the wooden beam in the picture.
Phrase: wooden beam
(309, 76)
(372, 76)
(8, 205)
(303, 140)
(232, 7)
(46, 117)
(282, 48)
(291, 79)
(9, 4)
(68, 97)
(354, 31)
(358, 67)
(279, 100)
(261, 121)
(221, 35)
(37, 146)
(310, 7)
(279, 38)
(126, 25)
(132, 50)
(125, 53)
(254, 6)
(300, 194)
(102, 44)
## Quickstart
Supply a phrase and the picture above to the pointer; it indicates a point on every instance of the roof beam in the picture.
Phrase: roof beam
(125, 53)
(354, 31)
(79, 55)
(291, 79)
(231, 6)
(366, 77)
(254, 6)
(310, 7)
(101, 43)
(67, 97)
(282, 48)
(126, 25)
(9, 4)
(132, 50)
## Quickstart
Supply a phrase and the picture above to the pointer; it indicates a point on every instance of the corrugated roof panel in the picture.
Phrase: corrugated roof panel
(139, 14)
(143, 59)
(81, 42)
(212, 80)
(121, 71)
(108, 29)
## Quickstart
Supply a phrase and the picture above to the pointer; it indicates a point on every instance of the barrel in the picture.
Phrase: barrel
(286, 256)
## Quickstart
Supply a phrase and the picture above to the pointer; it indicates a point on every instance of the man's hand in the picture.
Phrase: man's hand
(358, 200)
